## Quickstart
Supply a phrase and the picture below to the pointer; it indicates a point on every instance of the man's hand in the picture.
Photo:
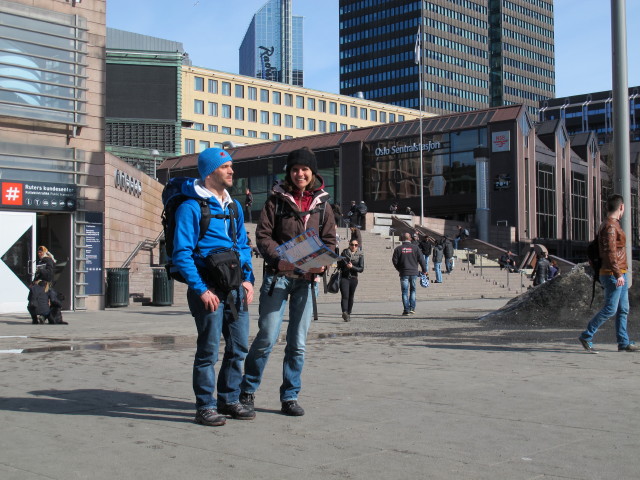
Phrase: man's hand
(248, 291)
(210, 300)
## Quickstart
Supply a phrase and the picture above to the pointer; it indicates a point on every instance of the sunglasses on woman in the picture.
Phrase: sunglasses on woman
(353, 244)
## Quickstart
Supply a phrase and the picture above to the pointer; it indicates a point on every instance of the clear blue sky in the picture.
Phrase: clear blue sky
(212, 30)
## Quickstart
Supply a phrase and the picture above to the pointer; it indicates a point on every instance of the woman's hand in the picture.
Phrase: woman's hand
(284, 266)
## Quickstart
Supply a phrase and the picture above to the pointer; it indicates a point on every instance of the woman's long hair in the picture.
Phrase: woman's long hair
(46, 252)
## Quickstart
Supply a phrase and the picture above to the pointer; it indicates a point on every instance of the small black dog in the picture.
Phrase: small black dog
(55, 311)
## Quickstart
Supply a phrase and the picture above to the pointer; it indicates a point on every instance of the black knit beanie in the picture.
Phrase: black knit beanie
(302, 156)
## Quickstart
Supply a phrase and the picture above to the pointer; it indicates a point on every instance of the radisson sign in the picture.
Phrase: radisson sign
(414, 147)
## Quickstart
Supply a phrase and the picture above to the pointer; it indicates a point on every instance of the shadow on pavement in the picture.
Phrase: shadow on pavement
(104, 403)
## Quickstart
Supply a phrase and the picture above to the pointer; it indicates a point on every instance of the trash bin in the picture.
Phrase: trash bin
(471, 258)
(117, 287)
(162, 288)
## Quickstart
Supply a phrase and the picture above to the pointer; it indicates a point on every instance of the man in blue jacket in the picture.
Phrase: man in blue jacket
(214, 311)
(406, 260)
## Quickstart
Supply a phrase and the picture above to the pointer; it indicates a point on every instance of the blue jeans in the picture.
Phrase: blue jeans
(616, 301)
(449, 264)
(408, 287)
(456, 241)
(438, 268)
(426, 263)
(271, 310)
(211, 325)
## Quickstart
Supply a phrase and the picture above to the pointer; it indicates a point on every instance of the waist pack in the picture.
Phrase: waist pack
(223, 270)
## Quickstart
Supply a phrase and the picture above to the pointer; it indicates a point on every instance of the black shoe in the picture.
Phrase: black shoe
(405, 313)
(587, 345)
(247, 400)
(292, 408)
(631, 347)
(237, 411)
(209, 417)
(346, 317)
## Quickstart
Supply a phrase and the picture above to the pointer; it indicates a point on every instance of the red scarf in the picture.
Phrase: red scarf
(303, 199)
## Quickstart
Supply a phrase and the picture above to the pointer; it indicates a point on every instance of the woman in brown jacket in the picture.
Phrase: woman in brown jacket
(298, 203)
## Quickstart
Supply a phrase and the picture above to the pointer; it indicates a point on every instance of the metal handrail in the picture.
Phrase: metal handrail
(146, 244)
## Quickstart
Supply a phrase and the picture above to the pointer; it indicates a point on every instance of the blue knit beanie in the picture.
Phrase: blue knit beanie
(210, 159)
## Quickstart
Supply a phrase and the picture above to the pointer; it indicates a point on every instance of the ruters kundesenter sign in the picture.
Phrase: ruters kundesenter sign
(21, 195)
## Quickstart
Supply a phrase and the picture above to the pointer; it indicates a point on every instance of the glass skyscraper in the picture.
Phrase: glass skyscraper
(272, 47)
(475, 53)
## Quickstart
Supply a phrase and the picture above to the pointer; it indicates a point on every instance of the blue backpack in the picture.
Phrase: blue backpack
(172, 198)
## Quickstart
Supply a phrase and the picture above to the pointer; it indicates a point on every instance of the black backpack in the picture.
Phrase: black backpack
(172, 198)
(595, 260)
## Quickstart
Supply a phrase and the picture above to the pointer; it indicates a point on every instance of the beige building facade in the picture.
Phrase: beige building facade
(51, 142)
(220, 107)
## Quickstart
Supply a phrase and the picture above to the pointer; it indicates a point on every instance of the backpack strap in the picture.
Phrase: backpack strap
(232, 216)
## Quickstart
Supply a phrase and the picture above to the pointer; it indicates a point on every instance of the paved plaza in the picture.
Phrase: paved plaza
(434, 396)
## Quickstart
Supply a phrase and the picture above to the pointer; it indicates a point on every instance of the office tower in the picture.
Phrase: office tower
(474, 53)
(272, 47)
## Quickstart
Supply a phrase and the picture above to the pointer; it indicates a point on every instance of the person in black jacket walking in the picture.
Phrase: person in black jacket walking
(351, 264)
(406, 259)
(448, 254)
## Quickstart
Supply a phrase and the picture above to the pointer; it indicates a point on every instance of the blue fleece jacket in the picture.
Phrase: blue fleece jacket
(189, 253)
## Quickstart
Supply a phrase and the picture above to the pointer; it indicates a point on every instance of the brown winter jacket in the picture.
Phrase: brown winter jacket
(275, 228)
(612, 243)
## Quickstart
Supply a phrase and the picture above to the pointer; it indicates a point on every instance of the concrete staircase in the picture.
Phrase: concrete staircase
(380, 283)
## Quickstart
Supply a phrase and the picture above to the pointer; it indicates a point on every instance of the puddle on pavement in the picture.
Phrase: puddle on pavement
(166, 342)
(169, 342)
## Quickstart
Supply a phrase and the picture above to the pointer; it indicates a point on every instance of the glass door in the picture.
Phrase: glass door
(17, 259)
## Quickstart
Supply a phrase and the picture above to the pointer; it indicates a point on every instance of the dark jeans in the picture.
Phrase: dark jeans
(211, 326)
(348, 290)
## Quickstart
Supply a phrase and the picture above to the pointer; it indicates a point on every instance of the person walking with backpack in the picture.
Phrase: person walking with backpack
(297, 203)
(216, 312)
(612, 246)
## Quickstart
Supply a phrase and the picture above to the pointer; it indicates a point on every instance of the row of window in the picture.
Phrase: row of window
(311, 104)
(377, 62)
(378, 46)
(543, 72)
(447, 12)
(445, 42)
(378, 31)
(542, 4)
(459, 62)
(461, 32)
(252, 114)
(456, 92)
(516, 92)
(528, 12)
(527, 26)
(550, 87)
(470, 6)
(390, 91)
(379, 15)
(354, 7)
(383, 76)
(523, 52)
(458, 77)
(224, 111)
(521, 37)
